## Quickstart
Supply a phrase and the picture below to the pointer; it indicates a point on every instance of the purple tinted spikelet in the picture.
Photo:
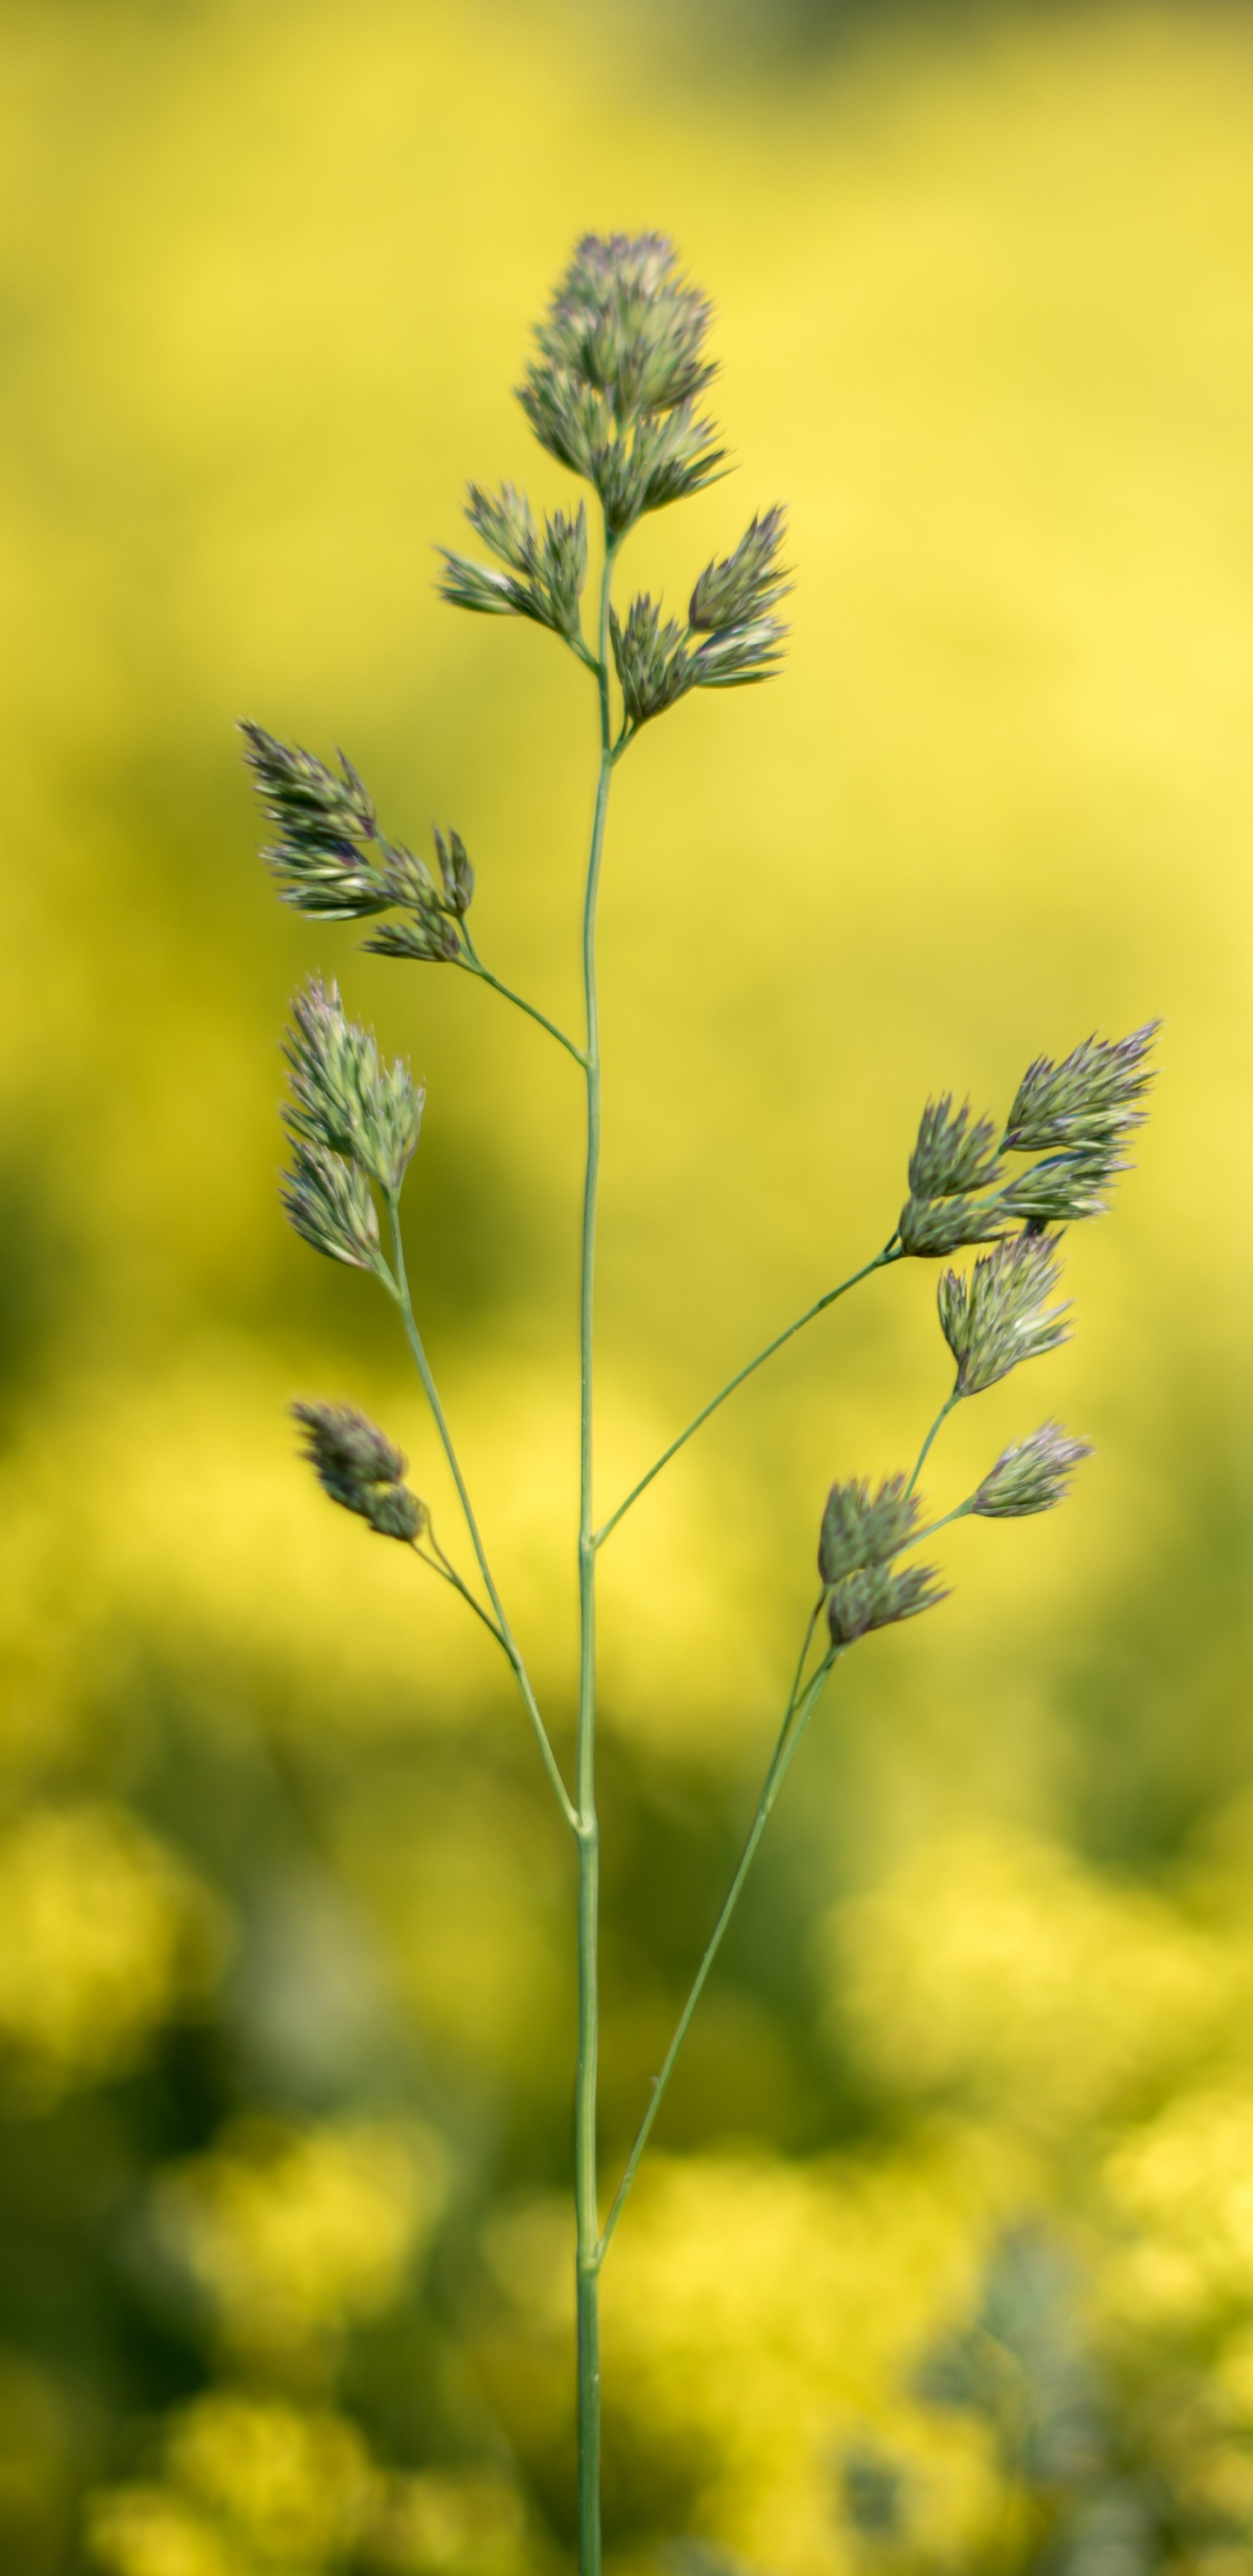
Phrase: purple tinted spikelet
(360, 1468)
(344, 1099)
(879, 1596)
(1000, 1314)
(861, 1527)
(620, 365)
(1094, 1097)
(328, 857)
(1031, 1475)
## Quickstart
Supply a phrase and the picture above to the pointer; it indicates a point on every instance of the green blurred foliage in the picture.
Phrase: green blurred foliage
(946, 2259)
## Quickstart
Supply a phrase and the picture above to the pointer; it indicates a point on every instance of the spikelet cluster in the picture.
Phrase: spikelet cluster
(353, 1120)
(612, 392)
(1031, 1475)
(1001, 1314)
(360, 1468)
(862, 1532)
(620, 364)
(331, 859)
(731, 638)
(541, 577)
(1076, 1116)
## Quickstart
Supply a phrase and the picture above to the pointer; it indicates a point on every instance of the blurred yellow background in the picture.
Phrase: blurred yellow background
(945, 2260)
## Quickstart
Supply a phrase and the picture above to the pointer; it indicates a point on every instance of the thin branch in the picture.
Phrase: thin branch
(938, 1424)
(959, 1512)
(448, 1574)
(472, 964)
(794, 1724)
(891, 1252)
(507, 1638)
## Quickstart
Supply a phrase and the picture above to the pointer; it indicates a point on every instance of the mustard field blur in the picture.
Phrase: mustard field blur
(959, 2152)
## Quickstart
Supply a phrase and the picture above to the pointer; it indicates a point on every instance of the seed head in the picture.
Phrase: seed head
(329, 1203)
(860, 1528)
(876, 1596)
(430, 929)
(329, 858)
(359, 1467)
(626, 322)
(545, 575)
(930, 1228)
(1064, 1188)
(952, 1154)
(456, 873)
(738, 655)
(746, 585)
(343, 1099)
(1088, 1101)
(1032, 1475)
(651, 660)
(620, 364)
(1000, 1315)
(504, 522)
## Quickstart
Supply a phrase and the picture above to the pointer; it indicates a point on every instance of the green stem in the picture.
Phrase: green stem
(891, 1252)
(794, 1724)
(447, 1573)
(473, 965)
(507, 1638)
(587, 2217)
(960, 1512)
(938, 1424)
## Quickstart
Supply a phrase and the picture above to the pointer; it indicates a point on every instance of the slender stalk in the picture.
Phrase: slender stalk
(447, 1573)
(960, 1512)
(891, 1252)
(794, 1724)
(937, 1426)
(587, 2216)
(505, 1632)
(473, 965)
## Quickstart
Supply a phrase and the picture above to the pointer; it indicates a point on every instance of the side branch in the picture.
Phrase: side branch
(793, 1727)
(502, 1628)
(891, 1252)
(936, 1427)
(472, 964)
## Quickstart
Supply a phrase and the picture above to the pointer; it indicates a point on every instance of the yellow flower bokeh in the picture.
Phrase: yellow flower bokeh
(285, 1935)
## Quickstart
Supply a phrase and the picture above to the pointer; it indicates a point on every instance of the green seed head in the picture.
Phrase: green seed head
(328, 858)
(930, 1228)
(862, 1528)
(954, 1152)
(344, 1100)
(620, 364)
(1065, 1188)
(1032, 1475)
(747, 584)
(1000, 1314)
(651, 660)
(877, 1596)
(545, 575)
(625, 322)
(1088, 1101)
(328, 1201)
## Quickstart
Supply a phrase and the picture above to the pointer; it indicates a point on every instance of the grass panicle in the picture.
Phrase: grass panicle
(613, 391)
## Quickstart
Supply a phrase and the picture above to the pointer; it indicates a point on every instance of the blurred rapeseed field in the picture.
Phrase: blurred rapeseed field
(945, 2262)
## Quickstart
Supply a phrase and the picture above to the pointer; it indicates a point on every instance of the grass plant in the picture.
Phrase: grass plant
(615, 391)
